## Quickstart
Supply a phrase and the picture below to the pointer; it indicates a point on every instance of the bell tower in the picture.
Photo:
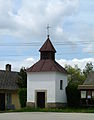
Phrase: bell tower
(47, 51)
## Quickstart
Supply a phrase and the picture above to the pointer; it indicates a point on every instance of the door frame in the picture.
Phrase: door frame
(36, 91)
(3, 95)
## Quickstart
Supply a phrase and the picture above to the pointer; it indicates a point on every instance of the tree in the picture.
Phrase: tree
(75, 75)
(73, 95)
(75, 78)
(88, 68)
(22, 81)
(23, 96)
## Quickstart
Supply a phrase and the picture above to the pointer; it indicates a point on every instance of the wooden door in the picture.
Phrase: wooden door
(41, 99)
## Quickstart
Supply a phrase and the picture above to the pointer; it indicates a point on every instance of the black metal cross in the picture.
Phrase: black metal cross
(48, 27)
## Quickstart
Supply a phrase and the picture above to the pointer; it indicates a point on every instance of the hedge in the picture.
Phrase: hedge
(73, 95)
(23, 96)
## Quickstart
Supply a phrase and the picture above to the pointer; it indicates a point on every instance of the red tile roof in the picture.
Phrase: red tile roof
(46, 65)
(47, 46)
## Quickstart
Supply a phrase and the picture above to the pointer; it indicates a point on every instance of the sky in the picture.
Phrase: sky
(23, 30)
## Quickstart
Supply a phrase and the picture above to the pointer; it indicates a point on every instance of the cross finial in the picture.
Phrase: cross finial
(48, 27)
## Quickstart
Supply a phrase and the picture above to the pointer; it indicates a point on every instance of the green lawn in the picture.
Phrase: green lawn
(65, 110)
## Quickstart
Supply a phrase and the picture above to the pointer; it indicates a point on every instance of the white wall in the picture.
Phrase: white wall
(60, 95)
(49, 81)
(41, 81)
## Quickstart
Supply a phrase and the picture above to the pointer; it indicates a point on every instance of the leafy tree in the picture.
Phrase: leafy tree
(75, 78)
(23, 96)
(75, 75)
(22, 81)
(88, 68)
(73, 95)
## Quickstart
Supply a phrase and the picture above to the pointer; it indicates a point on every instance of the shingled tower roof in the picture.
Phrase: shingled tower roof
(47, 46)
(47, 60)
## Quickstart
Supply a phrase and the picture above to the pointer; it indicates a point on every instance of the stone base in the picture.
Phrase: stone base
(48, 105)
(56, 105)
(30, 104)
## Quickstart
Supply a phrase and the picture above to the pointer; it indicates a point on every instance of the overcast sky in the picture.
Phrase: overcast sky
(23, 31)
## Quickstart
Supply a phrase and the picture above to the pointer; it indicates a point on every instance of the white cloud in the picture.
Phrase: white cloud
(32, 17)
(80, 62)
(16, 65)
(30, 61)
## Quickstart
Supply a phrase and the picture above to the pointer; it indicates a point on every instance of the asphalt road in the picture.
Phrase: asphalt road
(46, 116)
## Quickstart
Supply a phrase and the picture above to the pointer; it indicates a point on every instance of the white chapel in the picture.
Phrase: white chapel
(46, 80)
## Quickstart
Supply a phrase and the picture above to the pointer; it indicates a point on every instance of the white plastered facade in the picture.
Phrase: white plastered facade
(47, 81)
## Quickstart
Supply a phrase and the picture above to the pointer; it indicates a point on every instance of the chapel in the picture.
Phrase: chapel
(46, 80)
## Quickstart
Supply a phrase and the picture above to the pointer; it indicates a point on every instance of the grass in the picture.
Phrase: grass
(63, 110)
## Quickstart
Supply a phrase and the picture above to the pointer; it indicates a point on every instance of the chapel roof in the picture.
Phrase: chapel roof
(46, 65)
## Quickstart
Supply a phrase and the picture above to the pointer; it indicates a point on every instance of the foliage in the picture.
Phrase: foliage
(88, 68)
(63, 110)
(75, 75)
(23, 96)
(73, 95)
(75, 78)
(22, 81)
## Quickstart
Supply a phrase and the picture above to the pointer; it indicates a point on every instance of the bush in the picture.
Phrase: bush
(73, 95)
(23, 96)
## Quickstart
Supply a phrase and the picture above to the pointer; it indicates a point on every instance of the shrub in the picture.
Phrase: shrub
(73, 95)
(23, 96)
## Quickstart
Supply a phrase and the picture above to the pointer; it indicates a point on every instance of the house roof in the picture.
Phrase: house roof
(90, 79)
(46, 65)
(47, 46)
(8, 80)
(86, 87)
(89, 82)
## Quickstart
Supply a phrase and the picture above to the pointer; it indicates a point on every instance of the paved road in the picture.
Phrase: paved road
(46, 116)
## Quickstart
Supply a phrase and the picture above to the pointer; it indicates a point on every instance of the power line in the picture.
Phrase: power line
(34, 44)
(39, 44)
(58, 54)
